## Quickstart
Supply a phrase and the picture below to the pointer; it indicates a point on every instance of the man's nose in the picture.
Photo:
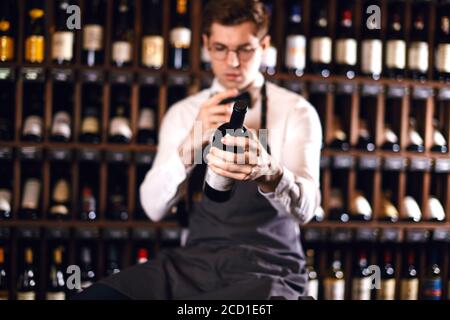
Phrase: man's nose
(233, 59)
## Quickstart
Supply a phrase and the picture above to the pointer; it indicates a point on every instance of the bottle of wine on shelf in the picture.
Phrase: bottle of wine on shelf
(6, 112)
(418, 50)
(56, 282)
(4, 292)
(142, 255)
(416, 142)
(436, 211)
(27, 281)
(340, 141)
(60, 207)
(61, 128)
(395, 58)
(117, 194)
(35, 33)
(30, 206)
(409, 286)
(371, 47)
(216, 187)
(336, 206)
(147, 126)
(152, 40)
(295, 60)
(180, 37)
(360, 208)
(391, 141)
(5, 190)
(365, 139)
(88, 274)
(93, 33)
(122, 46)
(33, 122)
(7, 42)
(120, 129)
(334, 283)
(321, 41)
(388, 210)
(432, 284)
(412, 209)
(439, 142)
(361, 284)
(387, 286)
(269, 58)
(313, 279)
(90, 119)
(442, 56)
(88, 203)
(63, 38)
(112, 260)
(346, 54)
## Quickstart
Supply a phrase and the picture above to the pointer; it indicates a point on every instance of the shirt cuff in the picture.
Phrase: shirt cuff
(286, 180)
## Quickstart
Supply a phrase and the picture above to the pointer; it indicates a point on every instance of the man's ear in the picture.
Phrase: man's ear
(205, 40)
(265, 42)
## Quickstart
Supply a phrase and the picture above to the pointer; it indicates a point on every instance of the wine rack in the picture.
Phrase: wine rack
(378, 101)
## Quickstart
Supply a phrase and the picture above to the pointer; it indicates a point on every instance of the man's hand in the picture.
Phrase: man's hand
(253, 164)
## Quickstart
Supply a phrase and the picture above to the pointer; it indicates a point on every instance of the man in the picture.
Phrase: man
(249, 246)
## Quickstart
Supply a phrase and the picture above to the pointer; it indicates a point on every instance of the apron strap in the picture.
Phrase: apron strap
(263, 137)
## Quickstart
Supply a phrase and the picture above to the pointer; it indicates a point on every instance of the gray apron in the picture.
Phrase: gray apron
(239, 249)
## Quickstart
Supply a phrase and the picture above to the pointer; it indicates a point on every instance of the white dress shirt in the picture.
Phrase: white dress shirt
(294, 135)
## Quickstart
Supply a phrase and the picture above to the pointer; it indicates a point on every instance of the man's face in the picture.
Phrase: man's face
(231, 70)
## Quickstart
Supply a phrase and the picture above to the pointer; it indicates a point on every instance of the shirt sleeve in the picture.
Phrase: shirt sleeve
(166, 182)
(298, 193)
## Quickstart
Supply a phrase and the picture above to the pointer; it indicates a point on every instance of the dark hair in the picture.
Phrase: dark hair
(234, 12)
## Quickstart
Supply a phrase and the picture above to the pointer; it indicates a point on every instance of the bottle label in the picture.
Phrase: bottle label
(409, 289)
(61, 191)
(93, 37)
(5, 200)
(6, 48)
(147, 119)
(321, 49)
(26, 295)
(121, 51)
(90, 125)
(33, 126)
(120, 126)
(269, 58)
(334, 289)
(346, 51)
(361, 288)
(180, 37)
(418, 56)
(218, 182)
(55, 296)
(432, 289)
(443, 57)
(31, 194)
(313, 289)
(387, 290)
(372, 52)
(61, 124)
(62, 47)
(153, 51)
(295, 52)
(396, 54)
(34, 49)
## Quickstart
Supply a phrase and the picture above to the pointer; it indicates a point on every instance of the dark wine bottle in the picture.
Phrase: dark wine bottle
(295, 59)
(418, 50)
(122, 46)
(31, 193)
(152, 55)
(27, 281)
(320, 54)
(35, 33)
(4, 288)
(6, 113)
(361, 283)
(62, 123)
(346, 51)
(93, 33)
(119, 128)
(270, 55)
(334, 282)
(442, 57)
(395, 57)
(88, 204)
(112, 260)
(60, 207)
(432, 284)
(117, 194)
(32, 130)
(90, 120)
(7, 25)
(5, 190)
(216, 187)
(88, 273)
(371, 47)
(180, 37)
(409, 286)
(56, 289)
(63, 38)
(387, 286)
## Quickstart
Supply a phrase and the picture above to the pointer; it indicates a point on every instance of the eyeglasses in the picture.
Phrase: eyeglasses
(220, 52)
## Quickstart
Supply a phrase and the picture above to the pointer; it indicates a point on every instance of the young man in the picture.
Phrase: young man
(249, 246)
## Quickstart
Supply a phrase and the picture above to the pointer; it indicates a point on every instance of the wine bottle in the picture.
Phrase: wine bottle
(365, 139)
(62, 124)
(56, 282)
(90, 122)
(218, 188)
(442, 50)
(31, 194)
(142, 256)
(336, 206)
(35, 33)
(313, 279)
(409, 286)
(418, 50)
(180, 37)
(63, 38)
(334, 283)
(152, 41)
(88, 274)
(4, 292)
(5, 190)
(412, 209)
(88, 204)
(93, 33)
(395, 58)
(60, 195)
(7, 42)
(269, 58)
(388, 210)
(147, 126)
(436, 211)
(416, 142)
(360, 208)
(117, 194)
(27, 281)
(371, 46)
(119, 128)
(432, 284)
(387, 286)
(391, 141)
(6, 113)
(112, 260)
(295, 60)
(361, 283)
(122, 46)
(340, 141)
(439, 142)
(346, 51)
(321, 42)
(32, 130)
